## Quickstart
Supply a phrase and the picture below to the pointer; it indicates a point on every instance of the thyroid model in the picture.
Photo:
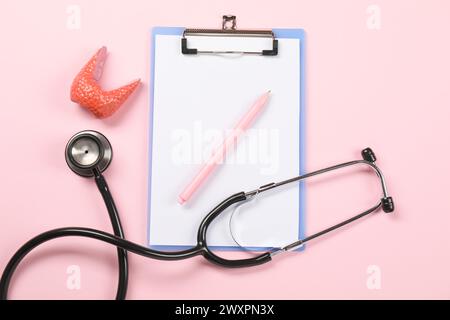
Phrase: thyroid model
(87, 92)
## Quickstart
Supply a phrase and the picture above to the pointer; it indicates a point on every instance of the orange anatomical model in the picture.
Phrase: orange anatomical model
(87, 92)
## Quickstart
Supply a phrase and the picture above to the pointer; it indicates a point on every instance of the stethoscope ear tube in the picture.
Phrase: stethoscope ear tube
(386, 202)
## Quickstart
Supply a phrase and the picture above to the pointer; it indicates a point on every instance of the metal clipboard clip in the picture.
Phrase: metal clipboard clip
(229, 30)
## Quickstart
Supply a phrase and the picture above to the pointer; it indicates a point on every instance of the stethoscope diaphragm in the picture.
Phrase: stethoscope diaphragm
(87, 150)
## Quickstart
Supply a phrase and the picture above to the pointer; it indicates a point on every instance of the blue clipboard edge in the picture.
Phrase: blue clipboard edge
(279, 33)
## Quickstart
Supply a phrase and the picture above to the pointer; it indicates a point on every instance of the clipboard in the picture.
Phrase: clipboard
(163, 228)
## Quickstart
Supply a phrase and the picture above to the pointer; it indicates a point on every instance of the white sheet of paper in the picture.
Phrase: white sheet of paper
(197, 100)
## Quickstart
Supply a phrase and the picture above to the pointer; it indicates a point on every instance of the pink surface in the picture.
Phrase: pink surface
(387, 88)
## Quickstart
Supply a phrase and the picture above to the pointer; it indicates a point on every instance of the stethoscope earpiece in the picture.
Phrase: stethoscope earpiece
(88, 150)
(368, 155)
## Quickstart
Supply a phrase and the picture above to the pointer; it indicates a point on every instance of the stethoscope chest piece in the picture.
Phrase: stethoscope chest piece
(87, 150)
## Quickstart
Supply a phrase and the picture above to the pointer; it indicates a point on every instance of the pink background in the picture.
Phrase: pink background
(387, 88)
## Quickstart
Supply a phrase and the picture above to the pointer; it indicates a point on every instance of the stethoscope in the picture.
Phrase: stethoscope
(89, 153)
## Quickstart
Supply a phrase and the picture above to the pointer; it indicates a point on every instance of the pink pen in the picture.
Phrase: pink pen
(219, 154)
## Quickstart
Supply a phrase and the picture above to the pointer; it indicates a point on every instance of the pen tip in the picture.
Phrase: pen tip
(181, 201)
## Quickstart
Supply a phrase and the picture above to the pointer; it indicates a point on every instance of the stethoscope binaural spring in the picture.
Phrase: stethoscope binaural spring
(89, 153)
